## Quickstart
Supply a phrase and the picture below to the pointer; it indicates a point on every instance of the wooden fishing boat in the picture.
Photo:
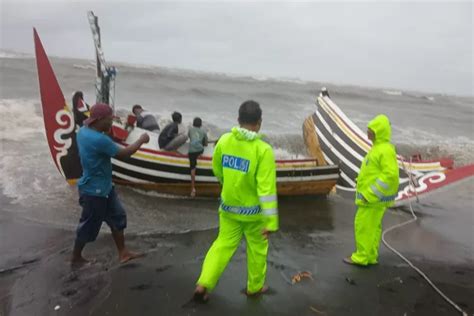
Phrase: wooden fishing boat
(151, 168)
(333, 138)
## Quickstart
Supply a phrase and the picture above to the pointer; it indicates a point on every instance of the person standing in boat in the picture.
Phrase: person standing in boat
(245, 166)
(197, 142)
(376, 189)
(145, 120)
(174, 134)
(325, 92)
(97, 195)
(80, 108)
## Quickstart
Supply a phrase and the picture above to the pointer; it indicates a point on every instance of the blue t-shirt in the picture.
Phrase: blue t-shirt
(95, 150)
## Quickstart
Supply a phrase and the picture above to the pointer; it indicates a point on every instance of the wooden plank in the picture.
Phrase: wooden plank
(312, 141)
(213, 190)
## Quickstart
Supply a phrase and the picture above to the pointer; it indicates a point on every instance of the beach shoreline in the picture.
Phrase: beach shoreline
(314, 239)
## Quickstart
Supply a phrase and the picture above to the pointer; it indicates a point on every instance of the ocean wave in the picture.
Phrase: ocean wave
(409, 94)
(433, 146)
(429, 98)
(25, 163)
(79, 66)
(259, 77)
(461, 154)
(422, 96)
(287, 146)
(184, 72)
(20, 119)
(11, 54)
(392, 92)
(264, 78)
(418, 136)
(291, 80)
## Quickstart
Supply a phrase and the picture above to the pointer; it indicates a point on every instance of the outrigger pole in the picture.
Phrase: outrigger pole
(105, 80)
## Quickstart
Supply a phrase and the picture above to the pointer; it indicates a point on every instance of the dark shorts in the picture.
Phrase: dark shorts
(96, 210)
(193, 159)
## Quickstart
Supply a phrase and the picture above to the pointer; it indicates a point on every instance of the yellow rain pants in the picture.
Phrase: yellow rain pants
(231, 229)
(368, 232)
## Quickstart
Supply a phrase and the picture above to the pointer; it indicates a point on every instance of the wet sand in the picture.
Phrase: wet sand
(315, 235)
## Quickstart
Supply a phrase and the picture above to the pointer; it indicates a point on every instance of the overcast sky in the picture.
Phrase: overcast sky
(426, 46)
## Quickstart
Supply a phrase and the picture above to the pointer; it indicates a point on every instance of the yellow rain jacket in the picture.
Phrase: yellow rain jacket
(377, 187)
(377, 182)
(245, 166)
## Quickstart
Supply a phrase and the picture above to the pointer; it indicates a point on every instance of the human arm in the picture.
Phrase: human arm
(217, 163)
(385, 186)
(139, 120)
(132, 148)
(172, 131)
(267, 190)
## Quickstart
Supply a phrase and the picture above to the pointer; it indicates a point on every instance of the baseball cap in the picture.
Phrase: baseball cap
(97, 112)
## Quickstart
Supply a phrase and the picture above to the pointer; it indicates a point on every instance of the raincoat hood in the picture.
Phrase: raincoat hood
(380, 125)
(244, 134)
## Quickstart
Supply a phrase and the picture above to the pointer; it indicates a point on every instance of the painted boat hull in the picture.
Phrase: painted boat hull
(168, 172)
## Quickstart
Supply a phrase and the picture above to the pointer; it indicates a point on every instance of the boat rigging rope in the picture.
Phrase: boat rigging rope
(412, 220)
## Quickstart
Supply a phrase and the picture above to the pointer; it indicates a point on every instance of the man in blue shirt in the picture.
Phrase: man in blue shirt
(96, 193)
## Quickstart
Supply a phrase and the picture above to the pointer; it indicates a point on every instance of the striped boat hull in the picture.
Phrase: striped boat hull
(343, 143)
(170, 173)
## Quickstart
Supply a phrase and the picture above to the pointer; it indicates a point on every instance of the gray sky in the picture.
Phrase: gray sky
(426, 46)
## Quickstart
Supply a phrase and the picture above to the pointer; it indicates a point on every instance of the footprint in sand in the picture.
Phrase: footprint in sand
(140, 287)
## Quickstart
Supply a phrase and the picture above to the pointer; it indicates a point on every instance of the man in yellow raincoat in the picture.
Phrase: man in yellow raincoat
(377, 187)
(245, 167)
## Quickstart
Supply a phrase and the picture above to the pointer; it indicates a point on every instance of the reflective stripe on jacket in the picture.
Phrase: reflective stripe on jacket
(245, 166)
(378, 179)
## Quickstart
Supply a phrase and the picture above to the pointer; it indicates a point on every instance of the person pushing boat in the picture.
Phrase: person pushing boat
(97, 195)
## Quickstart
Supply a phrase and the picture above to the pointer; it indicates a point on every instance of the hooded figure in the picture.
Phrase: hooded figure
(377, 187)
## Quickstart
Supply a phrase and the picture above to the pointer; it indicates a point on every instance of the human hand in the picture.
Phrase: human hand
(266, 233)
(361, 197)
(144, 138)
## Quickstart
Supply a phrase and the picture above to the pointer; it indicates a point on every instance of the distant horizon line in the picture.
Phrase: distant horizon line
(287, 79)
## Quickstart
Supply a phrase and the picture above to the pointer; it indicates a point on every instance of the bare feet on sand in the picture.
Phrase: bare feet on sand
(126, 256)
(78, 262)
(200, 295)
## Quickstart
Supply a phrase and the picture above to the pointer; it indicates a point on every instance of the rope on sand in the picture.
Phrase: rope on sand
(414, 219)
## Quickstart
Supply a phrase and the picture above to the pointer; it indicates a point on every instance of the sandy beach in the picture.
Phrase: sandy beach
(316, 233)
